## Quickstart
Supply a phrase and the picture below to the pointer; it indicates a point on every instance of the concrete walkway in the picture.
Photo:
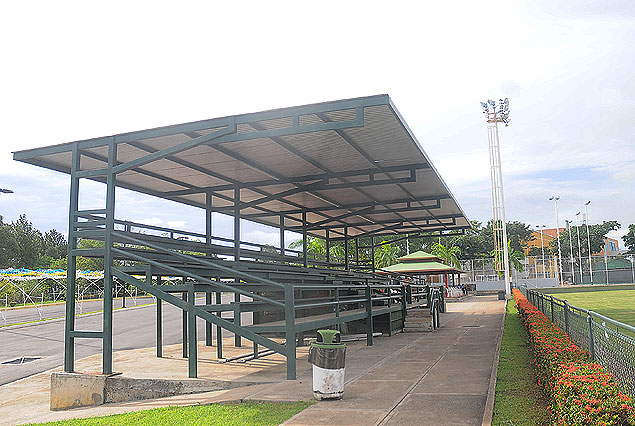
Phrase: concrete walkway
(439, 378)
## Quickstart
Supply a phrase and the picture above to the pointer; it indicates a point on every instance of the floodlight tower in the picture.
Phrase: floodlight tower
(494, 114)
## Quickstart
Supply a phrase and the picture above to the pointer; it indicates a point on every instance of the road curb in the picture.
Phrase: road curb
(491, 391)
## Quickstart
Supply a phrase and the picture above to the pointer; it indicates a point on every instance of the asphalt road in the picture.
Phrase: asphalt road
(23, 314)
(133, 328)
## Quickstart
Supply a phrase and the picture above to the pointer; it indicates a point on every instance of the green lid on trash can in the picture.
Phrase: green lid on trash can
(328, 339)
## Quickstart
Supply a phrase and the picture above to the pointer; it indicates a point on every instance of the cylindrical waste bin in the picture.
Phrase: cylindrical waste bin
(328, 357)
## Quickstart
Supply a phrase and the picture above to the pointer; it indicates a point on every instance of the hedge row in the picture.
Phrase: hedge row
(581, 392)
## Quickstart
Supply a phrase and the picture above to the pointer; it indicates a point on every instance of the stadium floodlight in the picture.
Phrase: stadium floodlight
(555, 199)
(495, 114)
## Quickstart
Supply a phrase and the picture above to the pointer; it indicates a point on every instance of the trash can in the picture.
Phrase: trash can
(501, 295)
(328, 357)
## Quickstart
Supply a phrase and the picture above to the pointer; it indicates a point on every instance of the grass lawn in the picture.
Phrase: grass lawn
(239, 414)
(615, 304)
(518, 401)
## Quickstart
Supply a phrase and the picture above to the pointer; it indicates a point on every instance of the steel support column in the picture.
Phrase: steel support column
(159, 323)
(372, 252)
(236, 224)
(108, 258)
(328, 247)
(219, 330)
(304, 239)
(191, 329)
(69, 340)
(289, 317)
(184, 323)
(346, 265)
(282, 242)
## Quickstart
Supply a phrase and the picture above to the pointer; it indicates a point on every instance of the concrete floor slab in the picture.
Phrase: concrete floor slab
(435, 410)
(392, 382)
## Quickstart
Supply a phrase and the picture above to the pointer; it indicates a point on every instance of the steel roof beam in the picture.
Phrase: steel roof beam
(370, 173)
(355, 146)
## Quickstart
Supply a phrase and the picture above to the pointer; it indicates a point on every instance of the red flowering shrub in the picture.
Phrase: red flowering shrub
(581, 392)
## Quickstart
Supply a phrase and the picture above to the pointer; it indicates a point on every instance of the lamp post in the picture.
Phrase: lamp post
(588, 237)
(571, 260)
(494, 114)
(542, 249)
(577, 228)
(558, 269)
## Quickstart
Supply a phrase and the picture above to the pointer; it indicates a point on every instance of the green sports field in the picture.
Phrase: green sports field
(616, 304)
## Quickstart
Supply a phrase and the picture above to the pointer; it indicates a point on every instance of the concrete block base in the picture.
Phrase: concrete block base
(72, 390)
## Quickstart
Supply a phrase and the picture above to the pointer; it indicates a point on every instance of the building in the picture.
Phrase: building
(611, 246)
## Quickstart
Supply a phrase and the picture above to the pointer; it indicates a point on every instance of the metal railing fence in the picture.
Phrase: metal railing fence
(609, 342)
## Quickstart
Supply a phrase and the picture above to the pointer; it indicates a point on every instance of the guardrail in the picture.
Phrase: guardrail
(609, 342)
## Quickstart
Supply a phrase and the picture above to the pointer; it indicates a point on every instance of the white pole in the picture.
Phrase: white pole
(508, 290)
(577, 228)
(588, 237)
(606, 265)
(542, 248)
(559, 265)
(572, 262)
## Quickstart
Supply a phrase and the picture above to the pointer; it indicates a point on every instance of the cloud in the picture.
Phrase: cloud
(262, 237)
(152, 221)
(177, 224)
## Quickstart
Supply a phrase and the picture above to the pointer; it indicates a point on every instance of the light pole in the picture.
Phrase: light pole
(494, 114)
(558, 268)
(542, 248)
(577, 228)
(588, 237)
(571, 261)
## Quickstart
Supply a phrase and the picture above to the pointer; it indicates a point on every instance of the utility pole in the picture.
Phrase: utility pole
(498, 113)
(577, 228)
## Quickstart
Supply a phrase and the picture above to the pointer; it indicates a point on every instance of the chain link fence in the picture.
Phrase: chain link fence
(608, 342)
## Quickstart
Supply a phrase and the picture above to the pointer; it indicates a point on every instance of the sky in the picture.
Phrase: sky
(77, 70)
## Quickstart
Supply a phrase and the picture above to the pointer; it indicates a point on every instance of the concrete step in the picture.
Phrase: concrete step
(418, 313)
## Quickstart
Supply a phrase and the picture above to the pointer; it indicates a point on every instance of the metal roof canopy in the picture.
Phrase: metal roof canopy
(350, 167)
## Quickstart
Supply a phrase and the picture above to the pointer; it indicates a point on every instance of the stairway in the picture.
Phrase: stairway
(418, 320)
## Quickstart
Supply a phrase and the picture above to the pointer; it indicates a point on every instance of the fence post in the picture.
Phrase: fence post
(553, 318)
(566, 316)
(591, 345)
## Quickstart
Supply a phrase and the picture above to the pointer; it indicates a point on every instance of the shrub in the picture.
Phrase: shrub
(581, 392)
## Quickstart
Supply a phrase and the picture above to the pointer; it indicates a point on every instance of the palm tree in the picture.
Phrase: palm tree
(386, 255)
(450, 255)
(515, 259)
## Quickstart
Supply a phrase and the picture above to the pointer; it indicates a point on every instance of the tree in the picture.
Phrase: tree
(54, 245)
(449, 255)
(7, 245)
(386, 255)
(629, 239)
(598, 233)
(515, 258)
(28, 243)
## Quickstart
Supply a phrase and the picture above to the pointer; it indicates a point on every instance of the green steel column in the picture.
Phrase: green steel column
(191, 328)
(282, 242)
(108, 258)
(237, 319)
(404, 302)
(369, 317)
(372, 252)
(184, 324)
(289, 317)
(69, 341)
(236, 224)
(159, 323)
(219, 330)
(208, 325)
(591, 342)
(255, 350)
(304, 239)
(357, 252)
(346, 248)
(328, 247)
